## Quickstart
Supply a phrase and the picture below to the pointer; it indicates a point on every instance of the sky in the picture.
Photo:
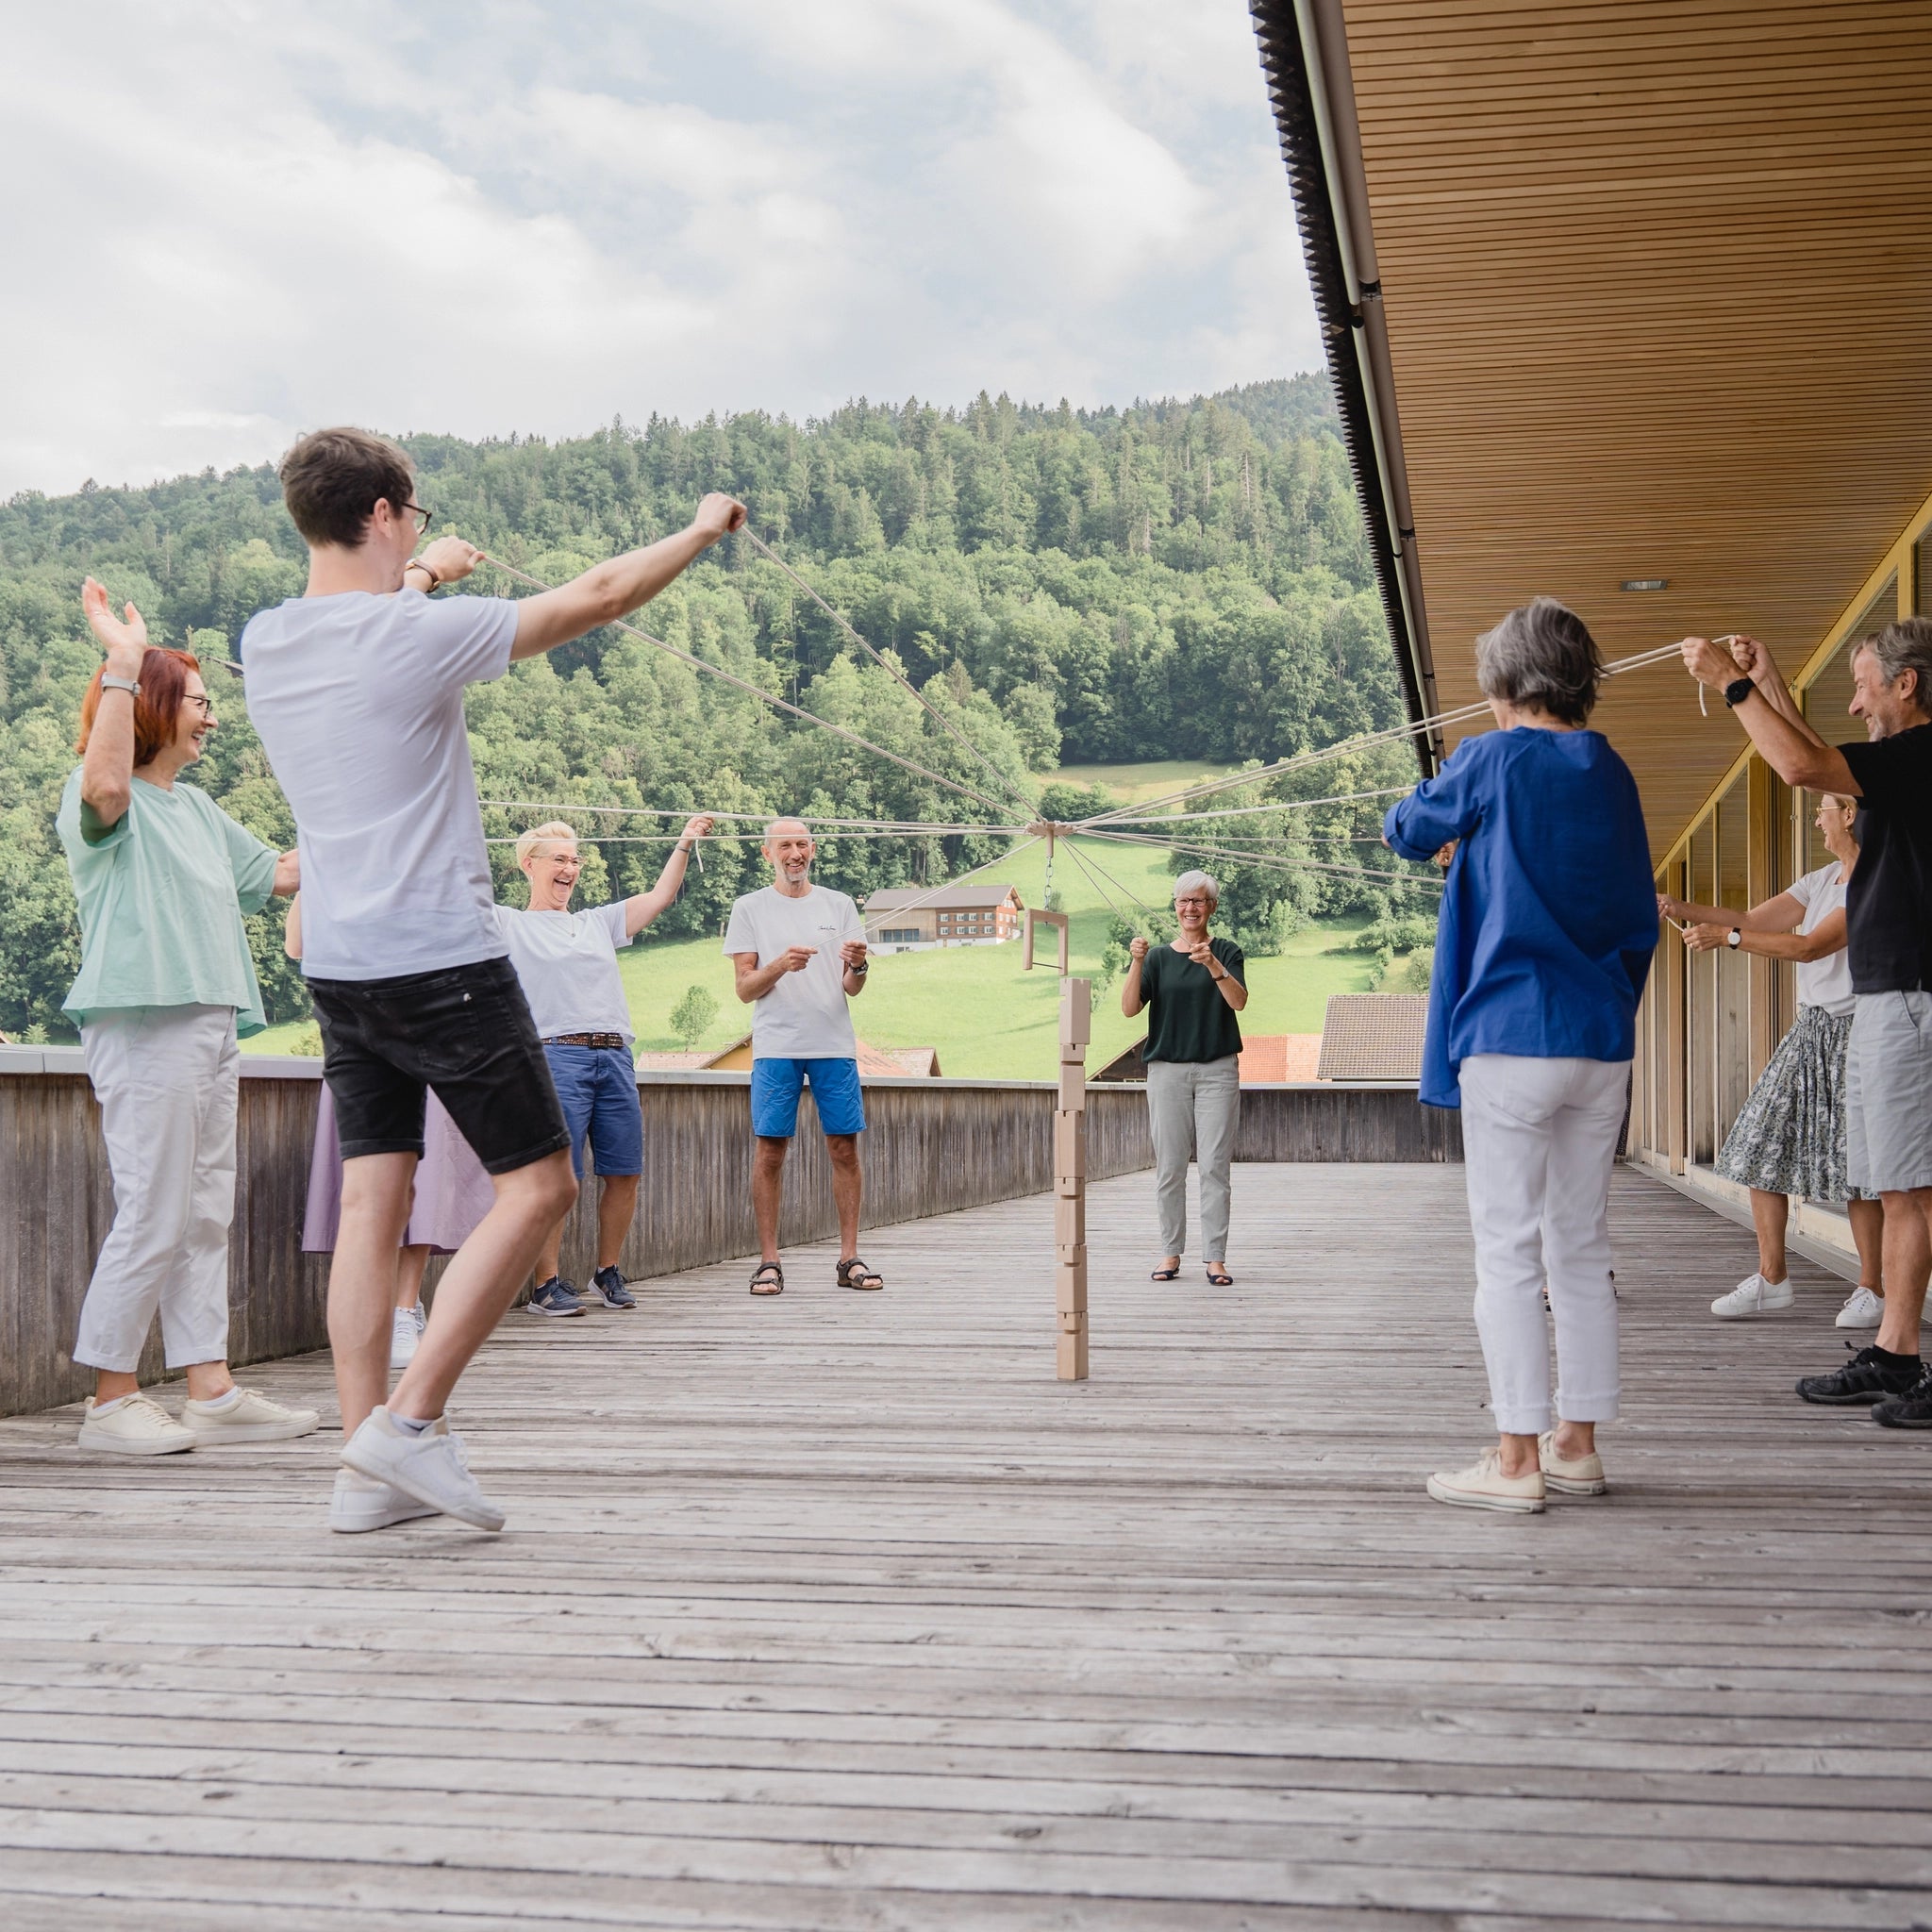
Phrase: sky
(228, 223)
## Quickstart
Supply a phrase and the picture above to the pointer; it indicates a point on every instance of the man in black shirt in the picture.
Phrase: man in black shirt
(1888, 920)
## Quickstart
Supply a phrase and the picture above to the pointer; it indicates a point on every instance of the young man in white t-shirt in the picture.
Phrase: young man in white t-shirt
(357, 689)
(799, 953)
(567, 964)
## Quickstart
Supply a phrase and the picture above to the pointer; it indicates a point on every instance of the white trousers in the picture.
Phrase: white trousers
(1538, 1142)
(167, 1079)
(1193, 1108)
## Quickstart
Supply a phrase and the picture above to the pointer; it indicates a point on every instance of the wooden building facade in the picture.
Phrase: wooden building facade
(1632, 307)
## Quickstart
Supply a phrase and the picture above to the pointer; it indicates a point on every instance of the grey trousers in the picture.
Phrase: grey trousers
(1193, 1108)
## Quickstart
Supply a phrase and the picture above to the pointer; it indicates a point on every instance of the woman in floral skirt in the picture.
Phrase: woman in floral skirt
(1790, 1137)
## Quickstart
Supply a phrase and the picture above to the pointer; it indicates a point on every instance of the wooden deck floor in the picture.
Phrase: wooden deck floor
(839, 1613)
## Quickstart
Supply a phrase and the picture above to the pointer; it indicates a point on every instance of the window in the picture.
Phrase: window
(1829, 694)
(898, 935)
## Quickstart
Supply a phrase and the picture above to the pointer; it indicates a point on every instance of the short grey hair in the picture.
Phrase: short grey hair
(771, 829)
(1199, 882)
(1906, 646)
(1541, 657)
(554, 832)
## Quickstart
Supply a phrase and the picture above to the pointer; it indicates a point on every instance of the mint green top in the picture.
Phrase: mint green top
(162, 896)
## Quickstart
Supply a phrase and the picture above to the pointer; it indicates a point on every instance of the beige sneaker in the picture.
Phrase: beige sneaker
(251, 1419)
(135, 1425)
(1582, 1475)
(1484, 1487)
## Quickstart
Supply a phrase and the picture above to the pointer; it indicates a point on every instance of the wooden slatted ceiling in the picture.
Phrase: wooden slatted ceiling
(1658, 284)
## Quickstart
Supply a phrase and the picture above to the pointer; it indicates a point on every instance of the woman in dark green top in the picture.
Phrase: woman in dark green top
(1192, 988)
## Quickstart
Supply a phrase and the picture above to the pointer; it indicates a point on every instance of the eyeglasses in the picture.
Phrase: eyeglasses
(427, 516)
(201, 698)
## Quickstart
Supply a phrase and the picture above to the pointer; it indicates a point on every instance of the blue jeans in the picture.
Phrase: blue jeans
(599, 1089)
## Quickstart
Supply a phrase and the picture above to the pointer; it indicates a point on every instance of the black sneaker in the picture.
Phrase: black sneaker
(555, 1298)
(1911, 1410)
(608, 1282)
(1871, 1375)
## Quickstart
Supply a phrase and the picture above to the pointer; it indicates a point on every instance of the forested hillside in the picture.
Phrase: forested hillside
(1172, 580)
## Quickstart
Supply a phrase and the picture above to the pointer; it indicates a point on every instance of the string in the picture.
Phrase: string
(750, 818)
(751, 690)
(1238, 811)
(891, 670)
(1365, 741)
(1273, 861)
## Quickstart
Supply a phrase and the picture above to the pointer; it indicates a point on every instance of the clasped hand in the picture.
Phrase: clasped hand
(1719, 661)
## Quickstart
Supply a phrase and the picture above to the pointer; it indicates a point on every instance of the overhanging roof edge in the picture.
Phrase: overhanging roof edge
(1291, 59)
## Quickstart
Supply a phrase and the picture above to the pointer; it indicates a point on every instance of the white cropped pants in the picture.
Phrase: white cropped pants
(1539, 1141)
(167, 1079)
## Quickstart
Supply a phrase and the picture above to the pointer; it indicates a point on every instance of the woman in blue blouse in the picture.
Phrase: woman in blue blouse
(1549, 919)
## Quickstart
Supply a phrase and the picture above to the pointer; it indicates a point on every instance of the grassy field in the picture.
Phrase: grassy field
(1131, 784)
(985, 1015)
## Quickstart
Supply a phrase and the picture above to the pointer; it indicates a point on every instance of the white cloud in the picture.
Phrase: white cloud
(256, 219)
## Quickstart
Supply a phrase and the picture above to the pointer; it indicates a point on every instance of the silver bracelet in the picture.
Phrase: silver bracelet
(109, 682)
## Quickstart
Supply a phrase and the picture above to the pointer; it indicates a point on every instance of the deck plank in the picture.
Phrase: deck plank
(837, 1611)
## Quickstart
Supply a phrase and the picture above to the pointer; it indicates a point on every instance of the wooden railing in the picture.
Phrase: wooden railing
(934, 1146)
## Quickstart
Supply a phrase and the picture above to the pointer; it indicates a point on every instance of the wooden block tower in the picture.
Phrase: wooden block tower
(1070, 1181)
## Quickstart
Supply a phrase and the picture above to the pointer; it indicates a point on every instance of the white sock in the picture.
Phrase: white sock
(409, 1424)
(220, 1402)
(108, 1408)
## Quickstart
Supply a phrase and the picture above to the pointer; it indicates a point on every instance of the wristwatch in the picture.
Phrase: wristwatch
(859, 971)
(1734, 938)
(1738, 690)
(109, 682)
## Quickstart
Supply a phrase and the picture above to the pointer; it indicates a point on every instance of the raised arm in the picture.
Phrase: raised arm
(641, 907)
(615, 589)
(1770, 715)
(107, 767)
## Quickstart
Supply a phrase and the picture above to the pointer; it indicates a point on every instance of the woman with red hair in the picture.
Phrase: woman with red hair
(162, 875)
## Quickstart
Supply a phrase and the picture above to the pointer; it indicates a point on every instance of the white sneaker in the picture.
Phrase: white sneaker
(404, 1335)
(1484, 1486)
(1862, 1310)
(251, 1419)
(135, 1425)
(431, 1467)
(1754, 1295)
(362, 1502)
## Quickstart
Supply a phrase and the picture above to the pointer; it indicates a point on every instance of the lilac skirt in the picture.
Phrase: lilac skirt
(452, 1193)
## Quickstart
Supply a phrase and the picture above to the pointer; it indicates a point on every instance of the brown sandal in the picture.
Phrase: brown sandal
(769, 1278)
(855, 1273)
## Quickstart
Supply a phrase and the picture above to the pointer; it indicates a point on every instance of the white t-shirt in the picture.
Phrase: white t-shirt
(805, 1016)
(360, 703)
(1825, 982)
(567, 962)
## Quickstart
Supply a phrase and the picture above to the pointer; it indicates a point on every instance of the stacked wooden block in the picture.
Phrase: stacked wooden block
(1070, 1181)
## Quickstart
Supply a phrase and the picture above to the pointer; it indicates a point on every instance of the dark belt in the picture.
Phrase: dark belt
(613, 1042)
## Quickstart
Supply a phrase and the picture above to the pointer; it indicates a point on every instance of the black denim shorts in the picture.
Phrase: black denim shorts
(465, 1031)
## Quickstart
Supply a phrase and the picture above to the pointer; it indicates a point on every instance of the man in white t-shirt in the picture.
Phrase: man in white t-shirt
(567, 964)
(799, 953)
(357, 689)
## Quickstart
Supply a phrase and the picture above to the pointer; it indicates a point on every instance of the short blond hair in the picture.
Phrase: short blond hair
(538, 836)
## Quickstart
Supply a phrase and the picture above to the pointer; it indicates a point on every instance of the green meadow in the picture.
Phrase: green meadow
(987, 1017)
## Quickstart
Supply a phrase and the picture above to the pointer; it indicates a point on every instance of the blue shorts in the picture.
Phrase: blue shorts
(775, 1085)
(598, 1087)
